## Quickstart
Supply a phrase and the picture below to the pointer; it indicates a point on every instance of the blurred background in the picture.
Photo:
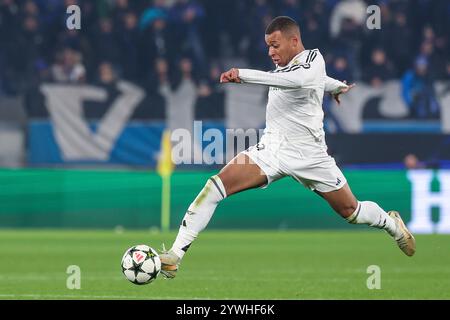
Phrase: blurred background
(82, 112)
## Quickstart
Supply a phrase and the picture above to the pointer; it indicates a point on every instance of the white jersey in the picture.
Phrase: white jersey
(294, 109)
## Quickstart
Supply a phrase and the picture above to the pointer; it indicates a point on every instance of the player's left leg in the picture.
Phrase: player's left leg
(367, 212)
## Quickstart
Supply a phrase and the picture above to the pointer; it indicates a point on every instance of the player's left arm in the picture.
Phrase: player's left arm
(336, 87)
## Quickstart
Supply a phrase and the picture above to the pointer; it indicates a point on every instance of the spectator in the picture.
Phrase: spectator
(349, 41)
(398, 43)
(339, 69)
(157, 11)
(77, 41)
(68, 67)
(186, 69)
(379, 70)
(411, 162)
(162, 71)
(210, 103)
(30, 9)
(128, 39)
(290, 8)
(260, 14)
(186, 17)
(120, 10)
(50, 13)
(315, 25)
(24, 52)
(434, 61)
(353, 11)
(106, 74)
(155, 43)
(106, 48)
(181, 97)
(43, 72)
(158, 77)
(160, 38)
(418, 91)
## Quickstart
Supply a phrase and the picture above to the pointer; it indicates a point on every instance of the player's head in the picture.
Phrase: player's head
(283, 39)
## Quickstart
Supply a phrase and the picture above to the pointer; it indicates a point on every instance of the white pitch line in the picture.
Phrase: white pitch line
(115, 278)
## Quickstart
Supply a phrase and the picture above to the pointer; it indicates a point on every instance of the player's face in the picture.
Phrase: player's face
(280, 48)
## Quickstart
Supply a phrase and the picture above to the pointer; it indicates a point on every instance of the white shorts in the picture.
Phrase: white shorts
(307, 162)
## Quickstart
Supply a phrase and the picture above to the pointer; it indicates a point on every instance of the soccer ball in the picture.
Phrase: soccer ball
(141, 264)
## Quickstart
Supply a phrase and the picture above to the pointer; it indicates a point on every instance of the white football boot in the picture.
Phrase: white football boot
(169, 263)
(405, 241)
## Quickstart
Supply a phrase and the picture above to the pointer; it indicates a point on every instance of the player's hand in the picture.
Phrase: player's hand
(231, 75)
(342, 90)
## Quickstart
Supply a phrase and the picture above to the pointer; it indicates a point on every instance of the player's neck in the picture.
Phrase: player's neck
(299, 50)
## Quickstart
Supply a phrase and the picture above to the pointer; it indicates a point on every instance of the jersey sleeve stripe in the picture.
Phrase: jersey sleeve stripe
(293, 68)
(309, 54)
(313, 56)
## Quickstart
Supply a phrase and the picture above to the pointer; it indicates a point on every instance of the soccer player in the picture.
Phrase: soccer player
(293, 144)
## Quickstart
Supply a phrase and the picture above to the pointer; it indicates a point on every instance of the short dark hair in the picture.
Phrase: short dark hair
(283, 24)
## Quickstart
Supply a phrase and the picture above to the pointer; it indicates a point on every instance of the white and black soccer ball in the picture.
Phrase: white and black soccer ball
(141, 264)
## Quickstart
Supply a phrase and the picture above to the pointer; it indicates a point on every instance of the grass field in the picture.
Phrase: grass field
(226, 265)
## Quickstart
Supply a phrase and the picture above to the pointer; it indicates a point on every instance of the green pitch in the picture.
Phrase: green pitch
(226, 265)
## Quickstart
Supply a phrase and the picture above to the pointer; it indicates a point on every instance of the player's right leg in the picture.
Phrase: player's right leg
(238, 175)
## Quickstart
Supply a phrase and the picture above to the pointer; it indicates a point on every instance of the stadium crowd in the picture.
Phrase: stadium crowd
(151, 42)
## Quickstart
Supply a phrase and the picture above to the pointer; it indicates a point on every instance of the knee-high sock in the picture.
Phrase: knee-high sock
(198, 215)
(370, 213)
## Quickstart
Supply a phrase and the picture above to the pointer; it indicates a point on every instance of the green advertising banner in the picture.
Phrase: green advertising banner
(52, 198)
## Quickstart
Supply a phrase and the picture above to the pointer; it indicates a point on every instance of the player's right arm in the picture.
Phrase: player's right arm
(290, 77)
(295, 76)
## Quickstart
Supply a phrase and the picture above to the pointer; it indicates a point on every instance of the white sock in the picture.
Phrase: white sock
(370, 213)
(198, 215)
